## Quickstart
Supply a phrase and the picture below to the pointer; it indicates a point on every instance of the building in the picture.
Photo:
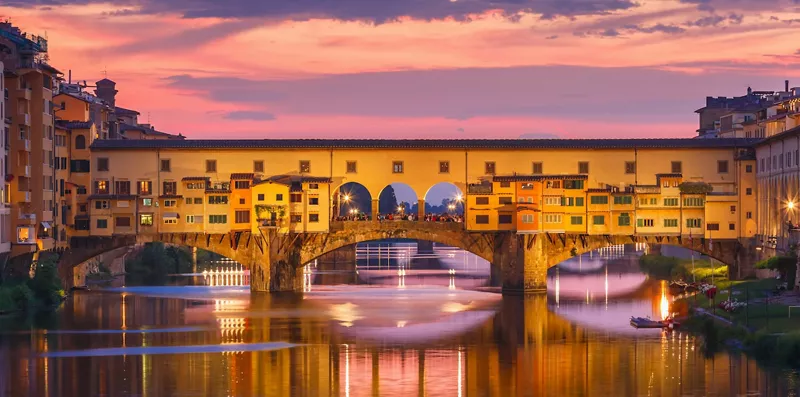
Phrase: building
(669, 187)
(5, 210)
(778, 188)
(30, 82)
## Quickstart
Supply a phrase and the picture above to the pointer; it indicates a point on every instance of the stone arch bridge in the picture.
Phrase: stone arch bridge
(520, 260)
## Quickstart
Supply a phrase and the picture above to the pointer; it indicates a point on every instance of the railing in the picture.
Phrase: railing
(26, 145)
(25, 197)
(29, 217)
(26, 119)
(479, 189)
(647, 189)
(26, 171)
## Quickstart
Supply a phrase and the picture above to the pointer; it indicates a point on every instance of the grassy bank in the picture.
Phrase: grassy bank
(671, 268)
(31, 294)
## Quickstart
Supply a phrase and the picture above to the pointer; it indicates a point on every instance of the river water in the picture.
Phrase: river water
(422, 336)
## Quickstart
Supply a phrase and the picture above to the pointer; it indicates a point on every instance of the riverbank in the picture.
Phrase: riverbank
(41, 292)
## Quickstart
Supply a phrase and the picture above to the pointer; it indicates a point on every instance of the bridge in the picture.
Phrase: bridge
(520, 261)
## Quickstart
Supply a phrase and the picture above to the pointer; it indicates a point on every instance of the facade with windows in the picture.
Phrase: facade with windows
(777, 189)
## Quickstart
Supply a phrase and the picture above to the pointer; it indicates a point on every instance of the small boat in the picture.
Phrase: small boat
(79, 288)
(641, 322)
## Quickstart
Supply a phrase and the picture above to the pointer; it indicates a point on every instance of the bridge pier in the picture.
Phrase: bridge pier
(421, 208)
(522, 266)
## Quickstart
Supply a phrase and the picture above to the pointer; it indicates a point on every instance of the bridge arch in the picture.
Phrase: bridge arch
(349, 197)
(397, 198)
(442, 196)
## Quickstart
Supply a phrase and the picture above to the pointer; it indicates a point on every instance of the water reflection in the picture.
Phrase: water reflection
(365, 344)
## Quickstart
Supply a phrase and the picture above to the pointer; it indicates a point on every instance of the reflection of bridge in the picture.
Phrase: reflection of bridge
(275, 260)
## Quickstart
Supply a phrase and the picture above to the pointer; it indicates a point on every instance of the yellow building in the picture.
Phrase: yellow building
(619, 187)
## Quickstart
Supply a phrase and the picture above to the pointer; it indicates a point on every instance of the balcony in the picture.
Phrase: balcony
(27, 218)
(25, 145)
(25, 119)
(26, 171)
(647, 189)
(27, 93)
(25, 197)
(47, 216)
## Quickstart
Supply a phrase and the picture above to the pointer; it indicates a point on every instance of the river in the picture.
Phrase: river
(422, 336)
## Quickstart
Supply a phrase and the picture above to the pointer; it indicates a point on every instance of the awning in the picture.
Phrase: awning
(170, 215)
(46, 225)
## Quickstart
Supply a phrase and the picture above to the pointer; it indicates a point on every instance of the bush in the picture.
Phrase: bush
(662, 267)
(786, 265)
(46, 284)
(155, 262)
(14, 298)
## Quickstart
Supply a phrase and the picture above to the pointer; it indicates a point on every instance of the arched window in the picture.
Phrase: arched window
(80, 142)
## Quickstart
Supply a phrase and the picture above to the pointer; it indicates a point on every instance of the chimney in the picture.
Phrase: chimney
(787, 86)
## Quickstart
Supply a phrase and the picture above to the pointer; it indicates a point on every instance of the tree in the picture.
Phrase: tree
(387, 202)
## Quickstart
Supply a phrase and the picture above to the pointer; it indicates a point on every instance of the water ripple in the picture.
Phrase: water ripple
(152, 350)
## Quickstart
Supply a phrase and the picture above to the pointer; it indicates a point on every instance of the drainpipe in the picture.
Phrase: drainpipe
(466, 186)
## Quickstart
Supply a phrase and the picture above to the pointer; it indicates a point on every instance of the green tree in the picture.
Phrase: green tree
(387, 202)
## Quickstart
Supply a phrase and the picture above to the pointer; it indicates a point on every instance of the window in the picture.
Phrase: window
(537, 168)
(170, 203)
(573, 184)
(313, 186)
(623, 200)
(693, 202)
(102, 223)
(482, 219)
(444, 167)
(351, 167)
(218, 199)
(211, 165)
(313, 201)
(194, 219)
(526, 186)
(100, 204)
(579, 201)
(722, 167)
(552, 218)
(165, 165)
(147, 202)
(198, 200)
(677, 167)
(670, 223)
(170, 187)
(122, 187)
(733, 209)
(780, 160)
(630, 167)
(258, 166)
(81, 207)
(102, 163)
(305, 166)
(583, 167)
(598, 199)
(295, 218)
(242, 216)
(731, 226)
(397, 167)
(313, 218)
(694, 223)
(144, 187)
(505, 184)
(553, 185)
(748, 168)
(527, 218)
(482, 200)
(170, 221)
(598, 220)
(278, 197)
(551, 200)
(489, 168)
(81, 224)
(260, 197)
(241, 184)
(188, 200)
(645, 222)
(196, 185)
(504, 219)
(218, 219)
(80, 141)
(576, 220)
(749, 215)
(712, 226)
(296, 198)
(122, 221)
(505, 200)
(670, 202)
(748, 191)
(101, 187)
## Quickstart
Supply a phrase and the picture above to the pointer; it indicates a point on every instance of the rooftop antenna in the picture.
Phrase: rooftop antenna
(105, 72)
(148, 117)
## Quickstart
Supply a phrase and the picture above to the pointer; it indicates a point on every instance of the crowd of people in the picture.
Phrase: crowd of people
(402, 217)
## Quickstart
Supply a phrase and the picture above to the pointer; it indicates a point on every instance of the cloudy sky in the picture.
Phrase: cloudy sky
(421, 68)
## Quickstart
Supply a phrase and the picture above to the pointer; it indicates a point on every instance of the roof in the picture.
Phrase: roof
(112, 197)
(145, 130)
(218, 190)
(170, 196)
(72, 96)
(242, 176)
(315, 179)
(670, 175)
(195, 178)
(105, 80)
(788, 133)
(533, 178)
(75, 125)
(425, 143)
(121, 110)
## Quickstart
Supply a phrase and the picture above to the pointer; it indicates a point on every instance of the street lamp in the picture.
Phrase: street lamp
(346, 198)
(790, 205)
(459, 197)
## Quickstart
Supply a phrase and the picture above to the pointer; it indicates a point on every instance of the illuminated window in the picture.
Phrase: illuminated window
(146, 219)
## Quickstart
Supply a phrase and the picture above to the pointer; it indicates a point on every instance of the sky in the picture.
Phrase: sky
(420, 68)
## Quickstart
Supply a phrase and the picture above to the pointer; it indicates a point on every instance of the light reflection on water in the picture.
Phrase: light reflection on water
(370, 340)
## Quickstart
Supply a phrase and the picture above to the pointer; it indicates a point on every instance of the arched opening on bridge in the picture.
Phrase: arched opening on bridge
(351, 201)
(397, 201)
(444, 198)
(399, 262)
